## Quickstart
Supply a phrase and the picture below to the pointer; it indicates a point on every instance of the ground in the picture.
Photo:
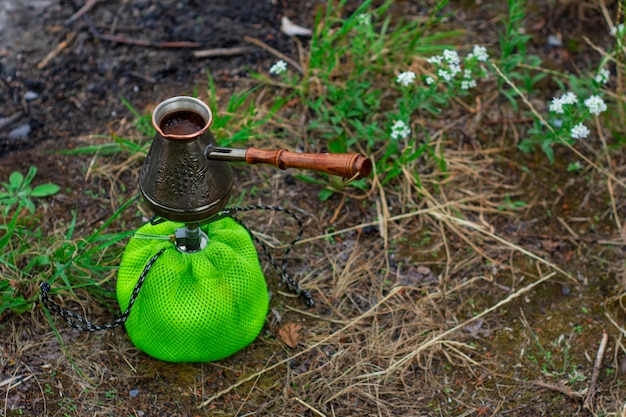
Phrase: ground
(403, 322)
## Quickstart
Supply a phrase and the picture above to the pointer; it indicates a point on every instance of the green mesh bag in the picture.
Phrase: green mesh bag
(194, 307)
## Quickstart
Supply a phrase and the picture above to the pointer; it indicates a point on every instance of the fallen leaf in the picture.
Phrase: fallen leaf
(290, 334)
(550, 245)
(423, 270)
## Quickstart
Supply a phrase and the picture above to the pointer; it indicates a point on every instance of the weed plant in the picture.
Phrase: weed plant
(515, 61)
(18, 258)
(29, 257)
(348, 86)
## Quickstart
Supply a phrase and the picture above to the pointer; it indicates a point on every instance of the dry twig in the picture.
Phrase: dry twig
(563, 389)
(217, 52)
(596, 372)
(89, 4)
(61, 46)
(310, 407)
(138, 42)
(274, 52)
(6, 121)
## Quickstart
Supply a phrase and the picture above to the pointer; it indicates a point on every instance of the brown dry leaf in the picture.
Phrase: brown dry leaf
(290, 334)
(550, 245)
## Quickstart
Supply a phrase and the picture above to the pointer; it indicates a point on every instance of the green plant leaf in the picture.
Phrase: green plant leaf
(325, 194)
(7, 200)
(15, 180)
(44, 190)
(29, 205)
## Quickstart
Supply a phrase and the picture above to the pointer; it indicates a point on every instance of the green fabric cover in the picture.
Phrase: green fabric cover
(194, 307)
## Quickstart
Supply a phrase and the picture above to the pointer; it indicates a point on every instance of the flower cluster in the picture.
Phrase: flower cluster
(458, 73)
(364, 19)
(278, 68)
(406, 78)
(593, 104)
(400, 130)
(596, 105)
(603, 76)
(580, 131)
(449, 66)
(468, 81)
(479, 53)
(558, 102)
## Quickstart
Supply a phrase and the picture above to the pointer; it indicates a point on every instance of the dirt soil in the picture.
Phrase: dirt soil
(63, 79)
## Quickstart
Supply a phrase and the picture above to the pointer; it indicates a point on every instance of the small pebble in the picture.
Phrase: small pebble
(565, 290)
(290, 180)
(555, 41)
(133, 392)
(368, 230)
(30, 96)
(20, 132)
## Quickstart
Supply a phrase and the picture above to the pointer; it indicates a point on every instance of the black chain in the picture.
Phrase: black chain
(282, 268)
(79, 322)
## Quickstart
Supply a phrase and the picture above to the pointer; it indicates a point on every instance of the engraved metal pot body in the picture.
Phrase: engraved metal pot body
(177, 180)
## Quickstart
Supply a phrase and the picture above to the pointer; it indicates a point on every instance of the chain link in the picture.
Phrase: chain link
(79, 322)
(281, 268)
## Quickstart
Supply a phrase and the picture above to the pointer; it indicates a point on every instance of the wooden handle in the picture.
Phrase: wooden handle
(345, 165)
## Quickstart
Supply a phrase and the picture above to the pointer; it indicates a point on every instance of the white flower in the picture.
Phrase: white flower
(451, 56)
(444, 74)
(480, 53)
(467, 84)
(619, 29)
(364, 19)
(595, 105)
(455, 69)
(580, 131)
(467, 74)
(429, 80)
(406, 78)
(569, 98)
(603, 76)
(278, 68)
(558, 102)
(436, 60)
(556, 105)
(400, 130)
